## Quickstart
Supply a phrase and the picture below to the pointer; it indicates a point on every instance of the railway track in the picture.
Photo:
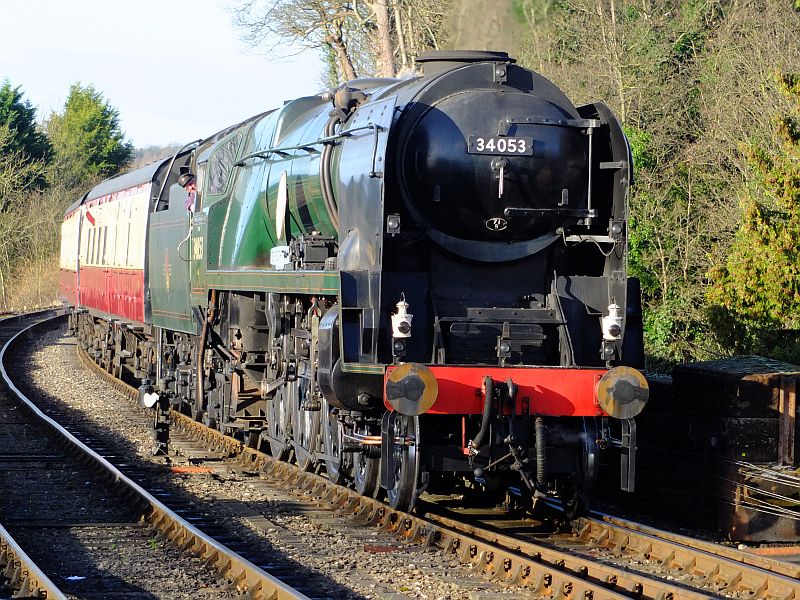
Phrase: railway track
(700, 568)
(602, 558)
(86, 526)
(21, 574)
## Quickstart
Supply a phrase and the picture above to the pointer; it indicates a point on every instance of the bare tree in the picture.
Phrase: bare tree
(693, 84)
(286, 27)
(363, 37)
(385, 50)
(419, 26)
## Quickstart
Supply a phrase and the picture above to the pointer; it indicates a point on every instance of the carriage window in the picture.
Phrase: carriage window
(221, 163)
(98, 257)
(98, 240)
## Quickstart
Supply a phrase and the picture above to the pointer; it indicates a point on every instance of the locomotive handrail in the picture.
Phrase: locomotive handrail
(308, 147)
(505, 124)
(525, 212)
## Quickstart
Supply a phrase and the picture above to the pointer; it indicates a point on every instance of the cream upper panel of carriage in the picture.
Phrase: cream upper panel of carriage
(68, 258)
(115, 229)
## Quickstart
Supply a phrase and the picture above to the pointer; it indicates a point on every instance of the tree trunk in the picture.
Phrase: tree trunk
(334, 38)
(401, 40)
(385, 51)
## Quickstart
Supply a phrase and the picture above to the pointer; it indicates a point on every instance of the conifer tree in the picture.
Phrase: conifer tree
(21, 142)
(87, 138)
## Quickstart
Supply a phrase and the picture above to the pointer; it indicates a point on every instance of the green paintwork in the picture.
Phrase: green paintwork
(169, 266)
(199, 241)
(234, 230)
(241, 225)
(318, 283)
(373, 369)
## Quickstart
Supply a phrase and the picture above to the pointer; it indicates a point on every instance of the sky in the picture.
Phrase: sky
(174, 69)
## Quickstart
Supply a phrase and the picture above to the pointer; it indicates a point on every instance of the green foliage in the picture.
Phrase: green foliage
(688, 79)
(518, 11)
(641, 143)
(695, 23)
(87, 138)
(20, 118)
(640, 233)
(21, 137)
(755, 296)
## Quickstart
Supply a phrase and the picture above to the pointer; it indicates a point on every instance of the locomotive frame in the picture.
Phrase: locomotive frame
(415, 285)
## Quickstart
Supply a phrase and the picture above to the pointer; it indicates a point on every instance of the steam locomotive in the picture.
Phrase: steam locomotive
(417, 285)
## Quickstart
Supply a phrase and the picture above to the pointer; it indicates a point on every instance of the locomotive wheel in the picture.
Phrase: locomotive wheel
(279, 422)
(407, 463)
(366, 470)
(305, 428)
(332, 441)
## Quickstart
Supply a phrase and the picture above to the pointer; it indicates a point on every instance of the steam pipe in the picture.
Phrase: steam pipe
(325, 172)
(541, 459)
(488, 384)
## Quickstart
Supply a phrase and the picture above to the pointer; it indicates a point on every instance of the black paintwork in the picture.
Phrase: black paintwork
(461, 245)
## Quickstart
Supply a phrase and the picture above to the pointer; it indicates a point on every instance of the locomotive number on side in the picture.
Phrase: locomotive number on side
(197, 248)
(500, 145)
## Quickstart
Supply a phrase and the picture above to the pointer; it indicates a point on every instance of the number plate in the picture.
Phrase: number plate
(518, 146)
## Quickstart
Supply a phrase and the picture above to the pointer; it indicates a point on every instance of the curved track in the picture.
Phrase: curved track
(602, 558)
(22, 574)
(139, 509)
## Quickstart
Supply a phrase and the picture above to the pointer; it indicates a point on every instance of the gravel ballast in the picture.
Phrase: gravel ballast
(347, 560)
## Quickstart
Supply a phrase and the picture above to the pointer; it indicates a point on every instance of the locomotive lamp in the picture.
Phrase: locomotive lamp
(393, 224)
(612, 323)
(401, 320)
(401, 328)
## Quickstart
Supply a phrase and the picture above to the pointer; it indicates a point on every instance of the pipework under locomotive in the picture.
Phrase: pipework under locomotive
(419, 284)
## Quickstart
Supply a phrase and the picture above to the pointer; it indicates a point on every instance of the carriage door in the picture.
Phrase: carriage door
(170, 252)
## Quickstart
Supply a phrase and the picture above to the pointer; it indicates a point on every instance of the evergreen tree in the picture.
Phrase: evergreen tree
(21, 139)
(87, 138)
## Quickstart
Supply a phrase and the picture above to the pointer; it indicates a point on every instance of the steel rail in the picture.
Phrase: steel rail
(512, 560)
(241, 573)
(560, 577)
(715, 565)
(743, 556)
(495, 562)
(23, 574)
(736, 570)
